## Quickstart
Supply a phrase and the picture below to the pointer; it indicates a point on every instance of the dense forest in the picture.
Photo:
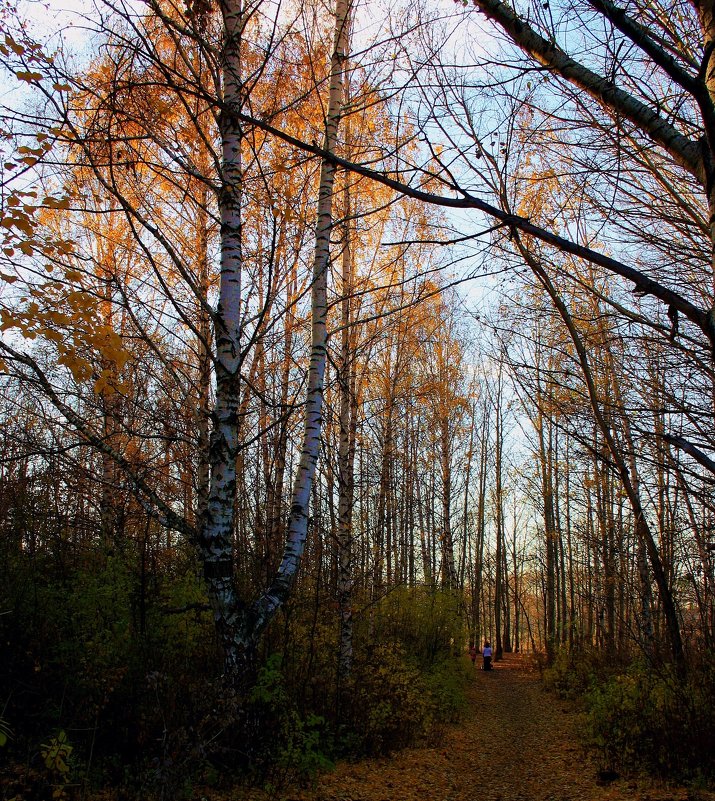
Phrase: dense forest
(337, 339)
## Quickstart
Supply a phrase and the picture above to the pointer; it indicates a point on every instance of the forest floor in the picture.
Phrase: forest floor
(515, 743)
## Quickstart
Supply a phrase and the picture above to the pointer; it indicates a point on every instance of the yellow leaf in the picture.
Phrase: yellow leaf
(23, 224)
(103, 387)
(17, 48)
(29, 77)
(57, 317)
(56, 203)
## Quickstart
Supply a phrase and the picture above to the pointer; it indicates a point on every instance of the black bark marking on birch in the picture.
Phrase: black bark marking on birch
(218, 569)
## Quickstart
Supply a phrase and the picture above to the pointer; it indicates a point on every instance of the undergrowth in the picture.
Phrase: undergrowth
(100, 692)
(643, 717)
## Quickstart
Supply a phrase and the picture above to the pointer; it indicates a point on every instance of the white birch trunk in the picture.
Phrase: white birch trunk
(240, 625)
(216, 533)
(266, 606)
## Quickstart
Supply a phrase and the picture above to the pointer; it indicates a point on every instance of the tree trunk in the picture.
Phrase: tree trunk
(499, 523)
(346, 455)
(240, 626)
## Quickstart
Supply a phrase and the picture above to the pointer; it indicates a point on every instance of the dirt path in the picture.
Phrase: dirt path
(517, 743)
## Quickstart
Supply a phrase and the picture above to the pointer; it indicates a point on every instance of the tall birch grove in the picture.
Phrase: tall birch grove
(339, 340)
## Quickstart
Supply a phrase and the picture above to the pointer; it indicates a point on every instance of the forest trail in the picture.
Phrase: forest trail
(516, 743)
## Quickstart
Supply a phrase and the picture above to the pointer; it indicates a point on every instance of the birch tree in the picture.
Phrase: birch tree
(215, 55)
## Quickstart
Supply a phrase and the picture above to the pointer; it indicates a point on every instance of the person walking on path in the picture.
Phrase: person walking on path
(472, 652)
(487, 655)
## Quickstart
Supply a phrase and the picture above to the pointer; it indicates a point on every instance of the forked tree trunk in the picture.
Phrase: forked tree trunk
(240, 625)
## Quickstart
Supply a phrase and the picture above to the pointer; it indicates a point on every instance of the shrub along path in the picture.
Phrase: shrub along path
(515, 743)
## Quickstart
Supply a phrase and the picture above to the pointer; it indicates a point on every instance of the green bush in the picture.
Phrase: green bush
(425, 621)
(395, 702)
(656, 722)
(446, 683)
(285, 747)
(573, 673)
(389, 708)
(128, 665)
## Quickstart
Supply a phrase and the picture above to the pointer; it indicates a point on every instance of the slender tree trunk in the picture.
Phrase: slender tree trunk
(280, 588)
(346, 454)
(421, 517)
(204, 350)
(645, 612)
(216, 537)
(449, 572)
(481, 527)
(545, 459)
(517, 594)
(570, 552)
(465, 507)
(499, 520)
